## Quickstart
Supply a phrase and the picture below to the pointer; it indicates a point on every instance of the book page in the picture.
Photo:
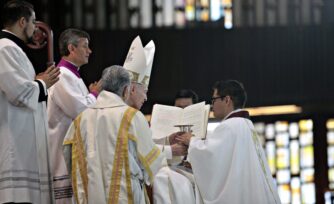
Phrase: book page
(163, 120)
(195, 115)
(206, 119)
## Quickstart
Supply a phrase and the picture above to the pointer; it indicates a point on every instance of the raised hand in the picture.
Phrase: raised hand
(50, 76)
(95, 87)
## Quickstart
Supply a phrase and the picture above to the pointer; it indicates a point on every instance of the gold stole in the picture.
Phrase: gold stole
(121, 159)
(78, 159)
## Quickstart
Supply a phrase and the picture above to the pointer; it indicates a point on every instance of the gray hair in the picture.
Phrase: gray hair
(70, 36)
(114, 79)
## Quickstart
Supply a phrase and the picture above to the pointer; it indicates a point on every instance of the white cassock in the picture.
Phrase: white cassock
(111, 154)
(24, 163)
(173, 185)
(66, 100)
(230, 165)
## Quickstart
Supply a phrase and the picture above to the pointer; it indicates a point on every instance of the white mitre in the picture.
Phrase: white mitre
(139, 61)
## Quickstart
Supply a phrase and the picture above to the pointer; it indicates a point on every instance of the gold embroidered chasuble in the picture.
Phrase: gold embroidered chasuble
(110, 153)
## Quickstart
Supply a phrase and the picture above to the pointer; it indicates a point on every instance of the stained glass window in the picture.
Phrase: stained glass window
(290, 154)
(282, 139)
(306, 157)
(124, 14)
(295, 190)
(331, 177)
(146, 13)
(216, 11)
(282, 158)
(293, 130)
(181, 13)
(190, 10)
(283, 176)
(284, 193)
(294, 157)
(271, 157)
(270, 131)
(222, 10)
(134, 14)
(308, 193)
(329, 197)
(330, 152)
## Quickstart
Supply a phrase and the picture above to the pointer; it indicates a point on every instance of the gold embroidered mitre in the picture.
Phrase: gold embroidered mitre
(139, 61)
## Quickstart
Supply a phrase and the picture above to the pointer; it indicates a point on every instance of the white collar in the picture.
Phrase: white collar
(108, 99)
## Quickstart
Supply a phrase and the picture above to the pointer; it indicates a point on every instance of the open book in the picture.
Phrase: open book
(165, 118)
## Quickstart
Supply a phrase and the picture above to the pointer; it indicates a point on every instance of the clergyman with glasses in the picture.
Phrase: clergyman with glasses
(230, 165)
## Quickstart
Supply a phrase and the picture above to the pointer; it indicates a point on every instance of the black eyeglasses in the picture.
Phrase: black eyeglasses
(213, 99)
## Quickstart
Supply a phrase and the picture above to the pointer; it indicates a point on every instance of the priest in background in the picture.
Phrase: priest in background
(185, 97)
(230, 165)
(25, 175)
(67, 99)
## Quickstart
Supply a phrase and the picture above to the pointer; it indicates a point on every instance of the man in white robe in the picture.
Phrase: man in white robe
(24, 162)
(230, 165)
(67, 99)
(169, 186)
(112, 152)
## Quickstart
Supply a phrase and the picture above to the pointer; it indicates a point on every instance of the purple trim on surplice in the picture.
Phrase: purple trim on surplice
(69, 66)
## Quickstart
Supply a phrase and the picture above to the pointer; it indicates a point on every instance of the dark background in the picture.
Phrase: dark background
(277, 65)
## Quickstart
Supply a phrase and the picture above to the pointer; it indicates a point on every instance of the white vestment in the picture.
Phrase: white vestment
(112, 153)
(173, 185)
(24, 160)
(230, 165)
(66, 100)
